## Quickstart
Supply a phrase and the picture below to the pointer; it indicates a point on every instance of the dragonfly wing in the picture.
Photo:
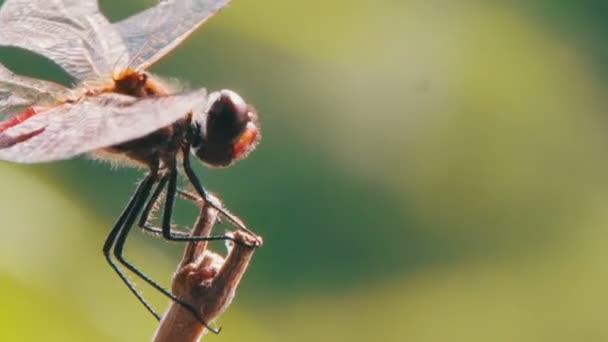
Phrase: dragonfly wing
(71, 129)
(10, 103)
(17, 92)
(72, 33)
(151, 34)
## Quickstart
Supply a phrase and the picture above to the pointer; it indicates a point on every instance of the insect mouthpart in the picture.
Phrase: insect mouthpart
(227, 132)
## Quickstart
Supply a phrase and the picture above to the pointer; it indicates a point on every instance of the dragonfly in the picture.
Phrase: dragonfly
(119, 112)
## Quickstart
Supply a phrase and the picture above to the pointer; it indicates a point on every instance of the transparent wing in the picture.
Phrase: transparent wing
(72, 33)
(71, 129)
(151, 34)
(17, 92)
(10, 103)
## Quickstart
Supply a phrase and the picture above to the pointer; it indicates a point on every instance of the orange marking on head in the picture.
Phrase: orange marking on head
(246, 142)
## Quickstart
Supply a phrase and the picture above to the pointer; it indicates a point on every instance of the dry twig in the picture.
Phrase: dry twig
(206, 280)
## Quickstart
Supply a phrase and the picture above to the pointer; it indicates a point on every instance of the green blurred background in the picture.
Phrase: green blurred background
(430, 171)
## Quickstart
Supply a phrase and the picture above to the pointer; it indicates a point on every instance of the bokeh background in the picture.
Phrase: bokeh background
(430, 171)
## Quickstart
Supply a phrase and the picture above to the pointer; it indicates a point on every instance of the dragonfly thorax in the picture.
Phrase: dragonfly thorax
(139, 85)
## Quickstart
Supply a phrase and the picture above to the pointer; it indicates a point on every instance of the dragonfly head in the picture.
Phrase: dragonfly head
(227, 132)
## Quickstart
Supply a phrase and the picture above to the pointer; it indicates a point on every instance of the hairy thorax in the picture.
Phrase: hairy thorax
(161, 145)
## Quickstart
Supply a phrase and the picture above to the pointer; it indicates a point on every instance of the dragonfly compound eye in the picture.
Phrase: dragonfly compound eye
(227, 132)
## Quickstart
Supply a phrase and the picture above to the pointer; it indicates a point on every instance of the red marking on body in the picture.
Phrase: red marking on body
(17, 119)
(8, 141)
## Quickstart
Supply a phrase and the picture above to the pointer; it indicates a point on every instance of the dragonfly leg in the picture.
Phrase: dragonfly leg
(205, 196)
(120, 238)
(166, 230)
(145, 215)
(142, 189)
(115, 244)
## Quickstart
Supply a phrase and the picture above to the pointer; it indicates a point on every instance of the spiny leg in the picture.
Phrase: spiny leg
(122, 238)
(196, 199)
(166, 231)
(142, 190)
(145, 215)
(168, 213)
(188, 195)
(180, 235)
(203, 193)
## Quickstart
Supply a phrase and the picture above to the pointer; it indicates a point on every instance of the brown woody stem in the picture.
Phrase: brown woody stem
(206, 280)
